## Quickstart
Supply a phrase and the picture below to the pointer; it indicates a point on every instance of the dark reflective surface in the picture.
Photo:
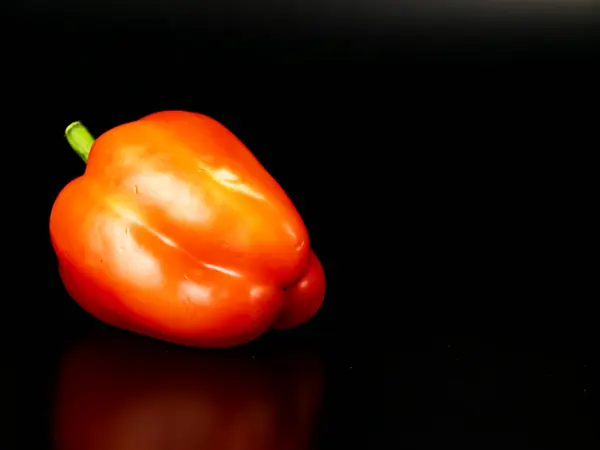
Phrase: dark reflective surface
(104, 389)
(117, 391)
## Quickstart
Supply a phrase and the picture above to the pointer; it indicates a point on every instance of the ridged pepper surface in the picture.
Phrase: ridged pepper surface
(177, 231)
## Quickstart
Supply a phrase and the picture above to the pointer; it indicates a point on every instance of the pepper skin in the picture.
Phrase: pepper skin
(117, 391)
(176, 231)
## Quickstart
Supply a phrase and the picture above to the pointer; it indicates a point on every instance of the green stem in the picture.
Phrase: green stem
(79, 139)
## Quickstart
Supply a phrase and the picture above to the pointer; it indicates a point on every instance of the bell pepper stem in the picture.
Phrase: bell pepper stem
(79, 139)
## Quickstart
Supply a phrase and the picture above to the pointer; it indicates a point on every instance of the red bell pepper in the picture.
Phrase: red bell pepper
(176, 231)
(117, 391)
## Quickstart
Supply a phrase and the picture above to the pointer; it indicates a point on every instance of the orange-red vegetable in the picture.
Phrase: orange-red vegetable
(176, 231)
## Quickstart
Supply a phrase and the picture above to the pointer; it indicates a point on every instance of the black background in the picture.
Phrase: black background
(439, 156)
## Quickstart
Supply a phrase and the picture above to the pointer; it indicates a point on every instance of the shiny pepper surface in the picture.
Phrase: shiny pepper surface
(176, 231)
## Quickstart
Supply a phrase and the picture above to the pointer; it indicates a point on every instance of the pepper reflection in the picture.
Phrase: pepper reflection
(118, 391)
